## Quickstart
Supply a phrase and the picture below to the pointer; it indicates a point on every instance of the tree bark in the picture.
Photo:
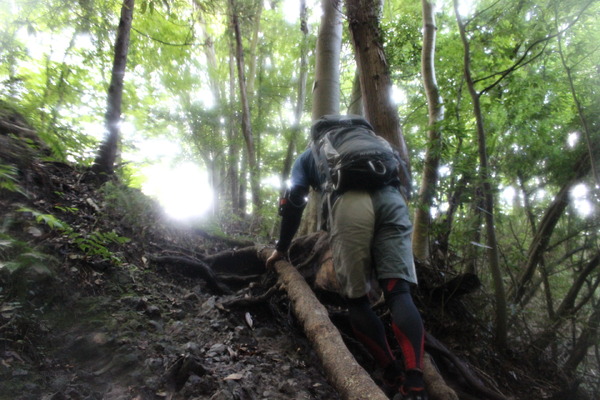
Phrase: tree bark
(326, 88)
(375, 81)
(422, 223)
(107, 155)
(501, 329)
(257, 8)
(237, 205)
(356, 106)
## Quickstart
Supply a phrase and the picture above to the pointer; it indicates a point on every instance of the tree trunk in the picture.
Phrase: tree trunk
(107, 155)
(501, 329)
(233, 156)
(326, 89)
(258, 8)
(375, 81)
(217, 162)
(356, 106)
(246, 124)
(422, 223)
(211, 59)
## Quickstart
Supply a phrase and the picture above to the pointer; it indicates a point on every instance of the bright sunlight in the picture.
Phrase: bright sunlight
(182, 189)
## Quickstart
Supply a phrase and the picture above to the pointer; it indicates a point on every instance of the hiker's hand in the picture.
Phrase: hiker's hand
(276, 256)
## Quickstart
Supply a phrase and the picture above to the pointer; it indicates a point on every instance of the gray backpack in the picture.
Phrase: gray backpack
(350, 156)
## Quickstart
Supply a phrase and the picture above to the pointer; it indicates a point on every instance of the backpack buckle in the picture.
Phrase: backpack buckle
(377, 167)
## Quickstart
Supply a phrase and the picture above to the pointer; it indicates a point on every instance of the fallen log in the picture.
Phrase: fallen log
(343, 372)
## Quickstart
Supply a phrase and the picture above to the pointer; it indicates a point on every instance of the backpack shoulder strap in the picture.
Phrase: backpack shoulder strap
(321, 164)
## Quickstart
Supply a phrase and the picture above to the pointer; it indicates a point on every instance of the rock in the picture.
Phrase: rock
(153, 312)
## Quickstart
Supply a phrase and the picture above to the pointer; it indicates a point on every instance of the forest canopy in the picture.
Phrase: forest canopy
(517, 84)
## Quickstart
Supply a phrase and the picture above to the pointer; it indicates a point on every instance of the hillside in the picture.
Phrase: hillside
(102, 297)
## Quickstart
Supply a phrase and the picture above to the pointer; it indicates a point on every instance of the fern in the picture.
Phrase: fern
(94, 244)
(9, 179)
(48, 219)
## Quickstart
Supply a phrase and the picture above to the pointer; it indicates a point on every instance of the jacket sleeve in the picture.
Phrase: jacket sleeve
(302, 177)
(291, 215)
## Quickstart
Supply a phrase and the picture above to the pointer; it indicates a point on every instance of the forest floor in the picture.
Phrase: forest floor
(86, 314)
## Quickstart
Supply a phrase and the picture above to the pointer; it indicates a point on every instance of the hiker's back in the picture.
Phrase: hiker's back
(350, 156)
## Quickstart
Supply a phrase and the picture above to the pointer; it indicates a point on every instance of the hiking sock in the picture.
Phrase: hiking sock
(369, 330)
(406, 322)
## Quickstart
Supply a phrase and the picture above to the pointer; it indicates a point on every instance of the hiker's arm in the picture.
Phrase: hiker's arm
(291, 215)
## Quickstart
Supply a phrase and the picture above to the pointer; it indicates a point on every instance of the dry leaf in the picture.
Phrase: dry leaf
(233, 377)
(249, 320)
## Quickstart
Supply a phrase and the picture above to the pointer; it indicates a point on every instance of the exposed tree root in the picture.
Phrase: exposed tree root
(314, 274)
(474, 382)
(251, 301)
(193, 268)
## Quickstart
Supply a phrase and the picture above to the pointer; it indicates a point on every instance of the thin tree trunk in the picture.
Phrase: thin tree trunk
(252, 50)
(356, 106)
(580, 112)
(233, 156)
(455, 200)
(501, 330)
(214, 163)
(543, 269)
(107, 155)
(422, 224)
(246, 124)
(375, 81)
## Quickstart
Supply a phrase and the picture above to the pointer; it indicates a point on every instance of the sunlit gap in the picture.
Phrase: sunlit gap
(399, 96)
(465, 7)
(291, 10)
(182, 188)
(580, 197)
(572, 139)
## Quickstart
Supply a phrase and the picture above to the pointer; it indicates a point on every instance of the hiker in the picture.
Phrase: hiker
(369, 228)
